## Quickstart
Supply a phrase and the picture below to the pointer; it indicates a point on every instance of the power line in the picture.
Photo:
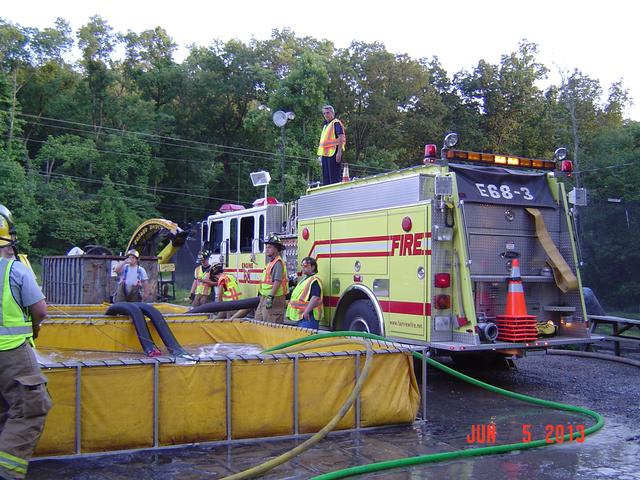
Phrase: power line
(150, 135)
(248, 153)
(139, 187)
(595, 169)
(214, 152)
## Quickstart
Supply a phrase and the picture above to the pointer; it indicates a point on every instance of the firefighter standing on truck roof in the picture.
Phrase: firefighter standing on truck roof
(24, 399)
(273, 285)
(331, 146)
(203, 279)
(305, 306)
(228, 291)
(133, 285)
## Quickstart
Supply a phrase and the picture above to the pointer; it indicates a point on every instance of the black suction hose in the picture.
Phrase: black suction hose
(135, 314)
(212, 307)
(162, 328)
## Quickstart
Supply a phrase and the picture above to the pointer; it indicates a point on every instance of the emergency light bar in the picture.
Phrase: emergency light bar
(500, 160)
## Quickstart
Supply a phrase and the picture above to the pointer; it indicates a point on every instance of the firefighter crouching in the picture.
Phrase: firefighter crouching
(228, 291)
(305, 307)
(203, 279)
(273, 285)
(24, 399)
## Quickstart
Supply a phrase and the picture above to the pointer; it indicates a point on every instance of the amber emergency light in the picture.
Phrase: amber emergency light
(500, 160)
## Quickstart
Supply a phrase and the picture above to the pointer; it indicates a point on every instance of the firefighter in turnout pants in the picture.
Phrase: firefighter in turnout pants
(24, 401)
(305, 307)
(273, 285)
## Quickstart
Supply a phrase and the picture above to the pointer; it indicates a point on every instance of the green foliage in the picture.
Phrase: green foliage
(92, 146)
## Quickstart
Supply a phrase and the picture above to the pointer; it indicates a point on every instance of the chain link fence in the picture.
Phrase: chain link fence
(609, 232)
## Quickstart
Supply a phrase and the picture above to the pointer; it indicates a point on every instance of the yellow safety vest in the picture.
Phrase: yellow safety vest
(230, 288)
(15, 324)
(201, 288)
(266, 283)
(328, 140)
(300, 299)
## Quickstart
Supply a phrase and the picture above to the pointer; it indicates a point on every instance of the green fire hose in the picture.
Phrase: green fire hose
(471, 452)
(440, 457)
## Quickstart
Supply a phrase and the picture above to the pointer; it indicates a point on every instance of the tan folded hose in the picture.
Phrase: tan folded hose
(564, 277)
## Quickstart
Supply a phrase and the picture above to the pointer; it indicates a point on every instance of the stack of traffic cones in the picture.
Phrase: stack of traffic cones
(516, 325)
(345, 173)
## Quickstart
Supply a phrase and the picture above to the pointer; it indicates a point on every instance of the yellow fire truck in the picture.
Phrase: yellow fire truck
(423, 254)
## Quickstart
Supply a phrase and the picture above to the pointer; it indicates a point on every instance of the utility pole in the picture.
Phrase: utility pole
(282, 164)
(280, 119)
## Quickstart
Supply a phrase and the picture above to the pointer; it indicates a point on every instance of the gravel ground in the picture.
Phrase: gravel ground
(453, 407)
(611, 389)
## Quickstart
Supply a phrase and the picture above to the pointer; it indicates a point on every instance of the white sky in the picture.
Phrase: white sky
(599, 38)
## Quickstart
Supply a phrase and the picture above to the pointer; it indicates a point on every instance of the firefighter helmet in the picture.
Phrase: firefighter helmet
(133, 253)
(216, 268)
(7, 231)
(274, 240)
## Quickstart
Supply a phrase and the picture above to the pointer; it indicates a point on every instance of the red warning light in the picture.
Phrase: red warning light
(442, 302)
(566, 166)
(442, 280)
(430, 153)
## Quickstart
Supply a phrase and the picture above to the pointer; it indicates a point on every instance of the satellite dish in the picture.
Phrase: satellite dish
(280, 118)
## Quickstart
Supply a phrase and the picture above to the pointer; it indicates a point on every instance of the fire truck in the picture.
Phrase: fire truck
(423, 255)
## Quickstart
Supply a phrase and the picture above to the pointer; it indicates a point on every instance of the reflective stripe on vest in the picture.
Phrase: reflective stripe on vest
(230, 288)
(300, 299)
(266, 284)
(15, 325)
(202, 288)
(329, 141)
(13, 463)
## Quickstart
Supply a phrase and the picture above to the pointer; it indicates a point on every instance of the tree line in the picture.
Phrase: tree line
(100, 130)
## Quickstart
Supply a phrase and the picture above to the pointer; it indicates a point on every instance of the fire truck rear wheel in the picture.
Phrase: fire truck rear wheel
(362, 317)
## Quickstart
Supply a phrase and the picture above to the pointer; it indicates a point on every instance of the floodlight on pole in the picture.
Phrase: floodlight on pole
(261, 179)
(280, 119)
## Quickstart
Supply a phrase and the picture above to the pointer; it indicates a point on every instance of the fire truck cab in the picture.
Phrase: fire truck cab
(422, 255)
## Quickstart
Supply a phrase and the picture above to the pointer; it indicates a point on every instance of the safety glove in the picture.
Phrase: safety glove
(192, 296)
(269, 302)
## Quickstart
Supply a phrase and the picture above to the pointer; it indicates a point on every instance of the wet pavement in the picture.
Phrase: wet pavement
(454, 409)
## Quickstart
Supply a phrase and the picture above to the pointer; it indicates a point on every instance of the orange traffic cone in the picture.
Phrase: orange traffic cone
(345, 173)
(516, 325)
(516, 303)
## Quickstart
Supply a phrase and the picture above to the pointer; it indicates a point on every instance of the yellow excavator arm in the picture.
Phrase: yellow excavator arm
(151, 227)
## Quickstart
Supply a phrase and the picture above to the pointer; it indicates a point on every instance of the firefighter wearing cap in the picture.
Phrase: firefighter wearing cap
(228, 291)
(204, 279)
(273, 285)
(331, 146)
(133, 285)
(24, 401)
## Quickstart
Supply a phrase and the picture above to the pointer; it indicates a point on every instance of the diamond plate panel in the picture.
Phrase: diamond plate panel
(441, 261)
(482, 216)
(486, 254)
(362, 197)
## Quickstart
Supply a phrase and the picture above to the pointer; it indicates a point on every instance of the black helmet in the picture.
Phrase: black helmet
(274, 240)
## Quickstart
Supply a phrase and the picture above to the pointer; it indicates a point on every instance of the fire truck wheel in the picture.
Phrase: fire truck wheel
(362, 317)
